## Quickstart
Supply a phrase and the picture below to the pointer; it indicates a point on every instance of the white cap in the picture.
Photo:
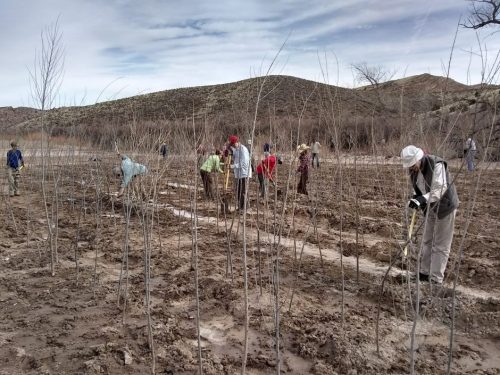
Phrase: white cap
(410, 155)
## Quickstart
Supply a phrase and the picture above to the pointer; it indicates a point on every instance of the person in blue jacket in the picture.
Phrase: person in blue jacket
(15, 163)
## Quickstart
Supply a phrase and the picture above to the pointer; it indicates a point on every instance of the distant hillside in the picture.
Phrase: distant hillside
(10, 116)
(283, 95)
(422, 83)
(377, 113)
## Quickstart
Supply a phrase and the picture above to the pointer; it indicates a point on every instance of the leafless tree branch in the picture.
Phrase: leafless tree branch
(373, 75)
(483, 13)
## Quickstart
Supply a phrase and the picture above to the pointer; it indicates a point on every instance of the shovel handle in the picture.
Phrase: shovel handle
(228, 161)
(410, 231)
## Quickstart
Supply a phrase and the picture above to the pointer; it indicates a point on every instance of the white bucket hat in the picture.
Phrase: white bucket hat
(302, 148)
(410, 155)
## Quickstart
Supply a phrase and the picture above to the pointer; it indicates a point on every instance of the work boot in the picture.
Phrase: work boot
(16, 194)
(421, 277)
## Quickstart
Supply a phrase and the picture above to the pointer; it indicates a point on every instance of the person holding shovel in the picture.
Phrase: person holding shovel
(15, 163)
(436, 195)
(265, 171)
(212, 164)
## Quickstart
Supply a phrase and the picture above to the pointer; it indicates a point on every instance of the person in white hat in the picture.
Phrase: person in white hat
(303, 168)
(435, 192)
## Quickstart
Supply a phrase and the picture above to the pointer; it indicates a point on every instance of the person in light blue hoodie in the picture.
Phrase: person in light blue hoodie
(129, 170)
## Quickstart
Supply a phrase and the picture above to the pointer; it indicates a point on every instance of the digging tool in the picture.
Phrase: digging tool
(410, 232)
(228, 167)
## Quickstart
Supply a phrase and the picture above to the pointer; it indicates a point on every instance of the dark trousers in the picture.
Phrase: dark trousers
(241, 184)
(262, 186)
(302, 185)
(206, 178)
(315, 156)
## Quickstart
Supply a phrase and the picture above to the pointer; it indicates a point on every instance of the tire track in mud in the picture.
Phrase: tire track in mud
(333, 255)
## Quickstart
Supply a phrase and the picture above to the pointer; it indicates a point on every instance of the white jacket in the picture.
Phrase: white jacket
(241, 162)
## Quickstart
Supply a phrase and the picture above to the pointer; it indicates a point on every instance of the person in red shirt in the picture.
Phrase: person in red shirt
(265, 171)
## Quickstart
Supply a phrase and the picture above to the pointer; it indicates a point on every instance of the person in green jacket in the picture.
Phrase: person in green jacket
(212, 164)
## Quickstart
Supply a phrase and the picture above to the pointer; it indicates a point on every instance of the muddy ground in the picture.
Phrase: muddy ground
(76, 322)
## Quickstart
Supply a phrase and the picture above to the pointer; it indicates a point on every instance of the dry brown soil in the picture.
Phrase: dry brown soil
(72, 323)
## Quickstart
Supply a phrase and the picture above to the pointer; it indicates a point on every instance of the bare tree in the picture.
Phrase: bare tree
(373, 75)
(483, 13)
(45, 81)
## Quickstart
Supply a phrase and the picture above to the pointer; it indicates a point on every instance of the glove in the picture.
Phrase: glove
(417, 202)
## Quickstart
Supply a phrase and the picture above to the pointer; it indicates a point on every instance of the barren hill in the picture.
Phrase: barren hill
(422, 83)
(10, 116)
(231, 107)
(284, 95)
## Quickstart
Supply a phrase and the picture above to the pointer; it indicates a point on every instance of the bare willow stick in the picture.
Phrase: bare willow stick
(470, 210)
(245, 272)
(195, 255)
(299, 266)
(98, 227)
(45, 81)
(127, 207)
(393, 261)
(192, 202)
(258, 243)
(147, 222)
(356, 199)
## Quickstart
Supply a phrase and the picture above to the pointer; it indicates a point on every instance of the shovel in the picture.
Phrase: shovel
(228, 163)
(410, 232)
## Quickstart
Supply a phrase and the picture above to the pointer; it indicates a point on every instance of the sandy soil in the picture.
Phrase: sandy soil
(72, 323)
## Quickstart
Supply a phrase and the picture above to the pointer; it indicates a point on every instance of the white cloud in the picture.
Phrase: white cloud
(156, 45)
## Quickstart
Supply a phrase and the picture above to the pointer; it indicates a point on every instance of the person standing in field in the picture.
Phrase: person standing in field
(15, 163)
(164, 150)
(211, 165)
(436, 196)
(315, 146)
(241, 168)
(303, 168)
(469, 153)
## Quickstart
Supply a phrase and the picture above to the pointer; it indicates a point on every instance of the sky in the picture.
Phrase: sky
(120, 48)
